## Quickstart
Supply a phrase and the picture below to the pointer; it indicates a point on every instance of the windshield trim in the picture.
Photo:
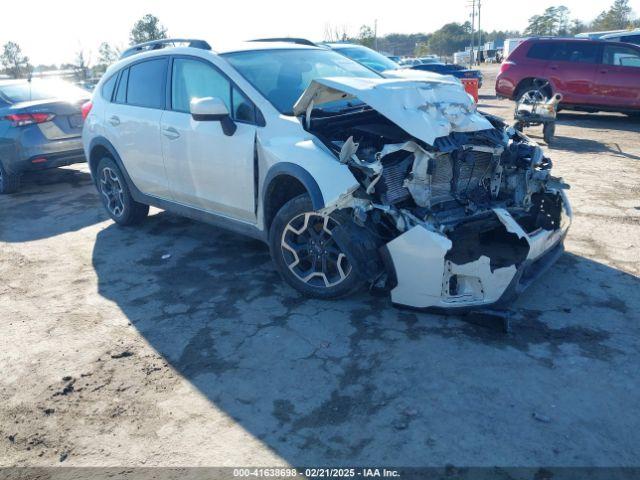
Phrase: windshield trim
(290, 112)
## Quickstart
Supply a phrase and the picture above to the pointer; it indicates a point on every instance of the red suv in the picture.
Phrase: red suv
(591, 75)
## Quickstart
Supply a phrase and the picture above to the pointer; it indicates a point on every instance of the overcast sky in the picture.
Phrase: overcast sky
(51, 31)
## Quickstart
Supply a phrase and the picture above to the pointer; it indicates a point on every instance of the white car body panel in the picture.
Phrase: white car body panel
(423, 273)
(137, 135)
(202, 162)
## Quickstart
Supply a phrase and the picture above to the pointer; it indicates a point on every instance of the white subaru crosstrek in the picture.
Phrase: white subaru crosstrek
(351, 178)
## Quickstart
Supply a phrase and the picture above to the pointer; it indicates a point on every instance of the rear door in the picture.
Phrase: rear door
(618, 77)
(132, 124)
(572, 70)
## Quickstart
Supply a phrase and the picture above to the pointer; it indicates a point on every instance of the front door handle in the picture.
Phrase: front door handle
(114, 120)
(171, 133)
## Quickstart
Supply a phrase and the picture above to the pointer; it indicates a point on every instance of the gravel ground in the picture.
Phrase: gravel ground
(176, 343)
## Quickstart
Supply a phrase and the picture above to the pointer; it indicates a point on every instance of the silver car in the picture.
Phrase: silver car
(40, 127)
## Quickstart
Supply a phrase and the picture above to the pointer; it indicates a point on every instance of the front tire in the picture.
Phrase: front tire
(307, 256)
(9, 183)
(115, 195)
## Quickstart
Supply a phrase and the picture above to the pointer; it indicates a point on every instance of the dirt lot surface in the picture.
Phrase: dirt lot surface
(176, 343)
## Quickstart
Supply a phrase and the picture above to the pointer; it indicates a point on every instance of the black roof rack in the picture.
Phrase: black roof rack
(163, 43)
(297, 41)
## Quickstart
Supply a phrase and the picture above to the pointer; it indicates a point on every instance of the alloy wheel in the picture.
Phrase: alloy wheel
(311, 253)
(111, 189)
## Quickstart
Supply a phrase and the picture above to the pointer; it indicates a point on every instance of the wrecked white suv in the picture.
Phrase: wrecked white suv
(352, 179)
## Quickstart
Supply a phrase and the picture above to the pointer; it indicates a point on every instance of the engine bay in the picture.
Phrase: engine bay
(451, 187)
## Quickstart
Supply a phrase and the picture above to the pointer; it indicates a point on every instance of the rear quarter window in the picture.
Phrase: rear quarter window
(108, 87)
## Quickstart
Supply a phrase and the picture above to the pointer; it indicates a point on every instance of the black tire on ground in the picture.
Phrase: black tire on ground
(548, 132)
(9, 183)
(342, 281)
(115, 195)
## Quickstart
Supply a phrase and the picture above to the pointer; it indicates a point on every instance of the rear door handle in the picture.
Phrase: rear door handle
(171, 133)
(114, 120)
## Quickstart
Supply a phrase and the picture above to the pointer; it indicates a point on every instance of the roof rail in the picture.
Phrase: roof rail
(163, 43)
(297, 41)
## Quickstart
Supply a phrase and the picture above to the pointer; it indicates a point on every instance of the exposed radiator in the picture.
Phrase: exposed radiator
(475, 166)
(391, 185)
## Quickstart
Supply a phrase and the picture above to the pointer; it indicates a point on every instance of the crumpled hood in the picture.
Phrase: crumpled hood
(425, 109)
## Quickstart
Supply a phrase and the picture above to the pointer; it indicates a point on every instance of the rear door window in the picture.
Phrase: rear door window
(576, 52)
(147, 83)
(542, 50)
(621, 56)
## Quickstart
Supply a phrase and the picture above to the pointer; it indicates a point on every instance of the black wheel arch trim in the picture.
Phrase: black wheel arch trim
(137, 195)
(299, 173)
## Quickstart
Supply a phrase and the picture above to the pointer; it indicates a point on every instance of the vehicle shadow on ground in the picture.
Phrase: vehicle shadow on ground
(584, 145)
(600, 121)
(53, 204)
(353, 381)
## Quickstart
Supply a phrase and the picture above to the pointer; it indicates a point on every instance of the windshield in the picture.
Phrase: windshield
(369, 58)
(41, 90)
(281, 76)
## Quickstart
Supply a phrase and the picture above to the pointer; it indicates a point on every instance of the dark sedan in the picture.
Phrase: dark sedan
(40, 127)
(451, 69)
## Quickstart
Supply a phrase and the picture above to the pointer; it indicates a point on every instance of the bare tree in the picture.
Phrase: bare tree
(106, 56)
(335, 33)
(81, 64)
(15, 63)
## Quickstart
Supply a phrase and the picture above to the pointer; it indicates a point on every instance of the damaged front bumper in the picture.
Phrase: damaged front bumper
(426, 276)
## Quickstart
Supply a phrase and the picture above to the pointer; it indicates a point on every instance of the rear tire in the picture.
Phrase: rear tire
(115, 195)
(306, 255)
(9, 183)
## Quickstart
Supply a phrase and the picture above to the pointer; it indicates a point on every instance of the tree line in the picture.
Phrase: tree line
(17, 65)
(452, 37)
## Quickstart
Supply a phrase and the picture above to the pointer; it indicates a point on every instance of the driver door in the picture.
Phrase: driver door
(208, 169)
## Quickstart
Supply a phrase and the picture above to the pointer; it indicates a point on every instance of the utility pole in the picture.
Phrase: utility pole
(375, 34)
(480, 45)
(473, 34)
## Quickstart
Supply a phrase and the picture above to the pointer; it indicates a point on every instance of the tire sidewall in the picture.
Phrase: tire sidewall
(9, 183)
(290, 210)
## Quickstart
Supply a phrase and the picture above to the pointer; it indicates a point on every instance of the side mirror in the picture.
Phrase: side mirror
(212, 109)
